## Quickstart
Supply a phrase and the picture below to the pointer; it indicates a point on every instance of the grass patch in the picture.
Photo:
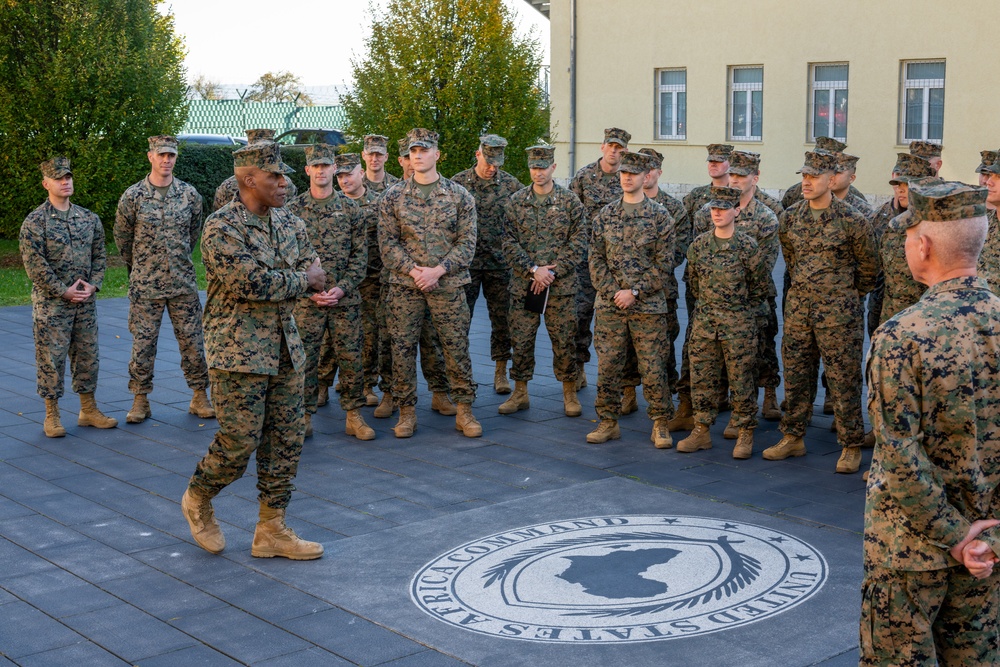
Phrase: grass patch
(15, 288)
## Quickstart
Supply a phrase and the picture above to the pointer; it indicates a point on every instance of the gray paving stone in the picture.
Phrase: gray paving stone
(265, 598)
(426, 659)
(313, 657)
(26, 631)
(82, 653)
(92, 561)
(162, 595)
(192, 656)
(59, 593)
(125, 534)
(239, 635)
(351, 637)
(129, 632)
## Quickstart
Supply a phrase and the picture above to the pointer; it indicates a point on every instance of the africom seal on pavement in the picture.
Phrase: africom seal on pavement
(619, 579)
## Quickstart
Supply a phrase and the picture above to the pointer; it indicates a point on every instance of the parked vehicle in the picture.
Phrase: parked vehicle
(307, 136)
(216, 139)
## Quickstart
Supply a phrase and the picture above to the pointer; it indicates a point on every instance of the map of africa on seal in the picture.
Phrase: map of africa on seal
(619, 579)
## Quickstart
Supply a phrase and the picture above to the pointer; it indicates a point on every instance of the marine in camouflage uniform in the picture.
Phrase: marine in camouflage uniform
(490, 186)
(830, 253)
(729, 277)
(632, 253)
(228, 190)
(845, 174)
(595, 185)
(987, 158)
(544, 238)
(258, 261)
(793, 194)
(895, 288)
(157, 228)
(933, 386)
(930, 151)
(427, 234)
(989, 259)
(62, 248)
(337, 233)
(375, 153)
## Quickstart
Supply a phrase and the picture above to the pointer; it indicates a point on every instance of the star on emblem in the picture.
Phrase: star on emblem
(802, 558)
(777, 539)
(670, 521)
(728, 526)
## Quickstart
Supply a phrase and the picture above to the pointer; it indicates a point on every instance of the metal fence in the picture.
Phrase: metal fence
(234, 117)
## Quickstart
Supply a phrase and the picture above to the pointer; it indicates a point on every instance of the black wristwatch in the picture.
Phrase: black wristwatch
(635, 292)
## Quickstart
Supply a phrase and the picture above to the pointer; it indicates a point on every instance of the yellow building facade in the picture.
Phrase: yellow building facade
(770, 75)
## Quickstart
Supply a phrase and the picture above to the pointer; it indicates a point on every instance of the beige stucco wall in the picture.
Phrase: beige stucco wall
(620, 44)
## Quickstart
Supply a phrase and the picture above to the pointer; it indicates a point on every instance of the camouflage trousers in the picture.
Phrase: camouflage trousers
(376, 355)
(144, 318)
(709, 355)
(256, 413)
(343, 323)
(447, 313)
(648, 333)
(683, 385)
(875, 299)
(560, 322)
(768, 368)
(632, 378)
(936, 617)
(840, 348)
(496, 288)
(586, 295)
(62, 328)
(431, 356)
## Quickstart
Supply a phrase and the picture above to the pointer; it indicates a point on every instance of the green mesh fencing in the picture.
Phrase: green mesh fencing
(234, 117)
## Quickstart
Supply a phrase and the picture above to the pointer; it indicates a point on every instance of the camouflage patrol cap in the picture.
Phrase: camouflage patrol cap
(991, 167)
(937, 200)
(724, 197)
(404, 147)
(744, 163)
(162, 143)
(541, 156)
(655, 156)
(376, 143)
(817, 162)
(616, 135)
(491, 146)
(56, 167)
(925, 149)
(320, 154)
(346, 162)
(910, 167)
(829, 144)
(265, 155)
(846, 162)
(719, 152)
(260, 134)
(635, 163)
(424, 138)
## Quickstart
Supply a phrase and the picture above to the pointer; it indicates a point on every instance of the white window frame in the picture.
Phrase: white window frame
(831, 87)
(926, 85)
(749, 88)
(674, 133)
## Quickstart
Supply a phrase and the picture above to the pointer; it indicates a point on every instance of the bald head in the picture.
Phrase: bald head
(937, 251)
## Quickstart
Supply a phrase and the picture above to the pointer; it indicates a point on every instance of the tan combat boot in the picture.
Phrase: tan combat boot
(700, 438)
(869, 440)
(371, 400)
(606, 430)
(197, 509)
(571, 404)
(140, 410)
(466, 422)
(661, 434)
(519, 400)
(323, 395)
(200, 405)
(357, 427)
(407, 423)
(789, 445)
(308, 419)
(385, 407)
(53, 425)
(730, 432)
(90, 415)
(629, 401)
(684, 417)
(500, 383)
(770, 410)
(849, 461)
(442, 404)
(744, 444)
(273, 538)
(581, 378)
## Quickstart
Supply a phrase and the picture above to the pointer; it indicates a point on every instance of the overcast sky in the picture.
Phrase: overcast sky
(290, 35)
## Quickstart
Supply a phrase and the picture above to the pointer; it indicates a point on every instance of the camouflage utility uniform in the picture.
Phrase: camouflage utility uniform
(57, 250)
(899, 289)
(228, 190)
(989, 258)
(375, 352)
(156, 235)
(378, 188)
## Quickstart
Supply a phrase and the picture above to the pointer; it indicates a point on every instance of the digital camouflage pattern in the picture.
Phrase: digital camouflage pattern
(144, 318)
(375, 352)
(387, 181)
(932, 381)
(989, 258)
(339, 236)
(544, 233)
(986, 159)
(228, 191)
(793, 195)
(729, 279)
(768, 201)
(492, 147)
(56, 252)
(56, 167)
(376, 143)
(832, 263)
(925, 149)
(899, 289)
(632, 250)
(437, 231)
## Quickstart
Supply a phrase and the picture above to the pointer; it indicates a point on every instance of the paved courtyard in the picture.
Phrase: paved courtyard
(440, 550)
